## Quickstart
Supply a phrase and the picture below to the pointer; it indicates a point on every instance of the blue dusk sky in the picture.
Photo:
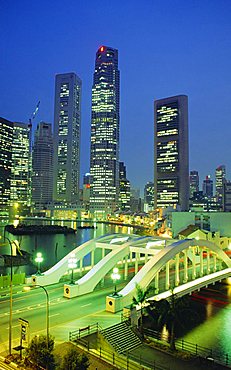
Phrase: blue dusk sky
(165, 48)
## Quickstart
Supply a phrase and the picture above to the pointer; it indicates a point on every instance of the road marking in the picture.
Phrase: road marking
(55, 314)
(15, 326)
(89, 304)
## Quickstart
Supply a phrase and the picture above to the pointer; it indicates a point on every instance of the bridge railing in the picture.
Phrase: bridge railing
(195, 349)
(83, 332)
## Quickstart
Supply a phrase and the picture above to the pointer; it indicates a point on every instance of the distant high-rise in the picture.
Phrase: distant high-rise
(171, 160)
(208, 187)
(67, 121)
(220, 179)
(104, 162)
(193, 183)
(6, 138)
(227, 196)
(124, 188)
(149, 196)
(42, 166)
(20, 181)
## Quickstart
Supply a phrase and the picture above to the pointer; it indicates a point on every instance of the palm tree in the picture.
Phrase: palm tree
(169, 313)
(140, 299)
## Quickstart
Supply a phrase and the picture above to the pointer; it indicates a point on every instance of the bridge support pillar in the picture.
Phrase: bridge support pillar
(185, 267)
(136, 264)
(146, 258)
(126, 268)
(81, 266)
(167, 282)
(157, 283)
(92, 258)
(130, 257)
(201, 263)
(193, 264)
(208, 262)
(177, 277)
(214, 263)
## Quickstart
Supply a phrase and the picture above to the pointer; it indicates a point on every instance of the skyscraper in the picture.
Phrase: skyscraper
(104, 161)
(67, 121)
(220, 179)
(20, 181)
(42, 166)
(171, 161)
(208, 187)
(149, 196)
(6, 138)
(124, 187)
(193, 183)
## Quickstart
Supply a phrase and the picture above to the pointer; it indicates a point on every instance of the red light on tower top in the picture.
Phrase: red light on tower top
(101, 48)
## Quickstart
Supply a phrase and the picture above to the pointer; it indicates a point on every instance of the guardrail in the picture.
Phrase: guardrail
(192, 348)
(83, 332)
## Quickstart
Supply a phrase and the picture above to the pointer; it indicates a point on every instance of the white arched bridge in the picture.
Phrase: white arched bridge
(187, 265)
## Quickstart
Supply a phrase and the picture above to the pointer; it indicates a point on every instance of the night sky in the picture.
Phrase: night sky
(165, 48)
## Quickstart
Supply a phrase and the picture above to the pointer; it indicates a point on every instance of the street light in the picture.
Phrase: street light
(115, 276)
(11, 287)
(39, 260)
(72, 264)
(28, 288)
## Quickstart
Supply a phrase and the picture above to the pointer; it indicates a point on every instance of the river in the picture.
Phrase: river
(215, 330)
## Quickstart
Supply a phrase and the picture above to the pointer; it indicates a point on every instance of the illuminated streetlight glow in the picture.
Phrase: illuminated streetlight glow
(39, 260)
(27, 289)
(72, 264)
(115, 276)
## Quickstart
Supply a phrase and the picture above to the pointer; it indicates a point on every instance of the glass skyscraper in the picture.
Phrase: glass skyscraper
(104, 154)
(171, 160)
(42, 166)
(67, 121)
(20, 179)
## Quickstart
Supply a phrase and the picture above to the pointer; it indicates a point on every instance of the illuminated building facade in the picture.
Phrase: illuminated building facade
(104, 161)
(220, 179)
(20, 181)
(149, 196)
(208, 187)
(171, 161)
(42, 166)
(6, 138)
(193, 183)
(227, 196)
(67, 121)
(124, 188)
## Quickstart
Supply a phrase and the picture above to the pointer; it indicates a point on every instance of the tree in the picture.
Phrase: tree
(140, 299)
(74, 361)
(41, 354)
(170, 313)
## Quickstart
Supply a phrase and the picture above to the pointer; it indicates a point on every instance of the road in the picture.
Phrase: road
(64, 315)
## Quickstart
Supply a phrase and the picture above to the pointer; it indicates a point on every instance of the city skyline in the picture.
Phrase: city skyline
(165, 50)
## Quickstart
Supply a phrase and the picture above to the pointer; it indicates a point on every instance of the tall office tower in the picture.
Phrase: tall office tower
(6, 138)
(124, 188)
(193, 183)
(67, 121)
(208, 187)
(42, 166)
(20, 181)
(227, 196)
(149, 196)
(104, 162)
(220, 179)
(86, 190)
(171, 160)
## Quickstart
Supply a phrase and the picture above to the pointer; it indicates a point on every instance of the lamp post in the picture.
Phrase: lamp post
(72, 264)
(11, 295)
(39, 260)
(115, 276)
(28, 288)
